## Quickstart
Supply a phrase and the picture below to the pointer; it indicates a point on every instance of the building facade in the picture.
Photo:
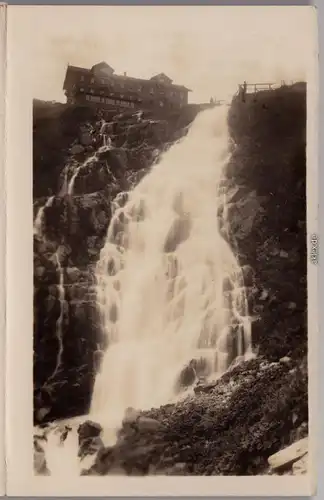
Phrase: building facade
(102, 87)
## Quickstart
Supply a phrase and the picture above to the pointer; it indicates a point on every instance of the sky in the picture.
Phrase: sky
(208, 49)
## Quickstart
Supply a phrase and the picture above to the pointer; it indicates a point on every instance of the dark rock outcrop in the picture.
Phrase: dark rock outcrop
(266, 220)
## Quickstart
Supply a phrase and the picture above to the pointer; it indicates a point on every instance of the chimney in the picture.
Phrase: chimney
(125, 74)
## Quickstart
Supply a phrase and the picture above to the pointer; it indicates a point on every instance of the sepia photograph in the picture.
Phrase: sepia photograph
(170, 304)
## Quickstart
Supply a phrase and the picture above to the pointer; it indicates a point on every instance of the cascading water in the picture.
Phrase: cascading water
(38, 223)
(91, 159)
(161, 279)
(59, 322)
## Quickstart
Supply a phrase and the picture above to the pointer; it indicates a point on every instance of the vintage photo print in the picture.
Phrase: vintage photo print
(162, 250)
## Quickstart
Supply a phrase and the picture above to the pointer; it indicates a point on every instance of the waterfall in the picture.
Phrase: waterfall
(62, 454)
(59, 322)
(92, 159)
(38, 223)
(170, 289)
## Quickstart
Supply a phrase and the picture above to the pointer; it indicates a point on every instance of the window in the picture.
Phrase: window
(151, 91)
(91, 91)
(92, 80)
(81, 89)
(102, 81)
(87, 97)
(82, 78)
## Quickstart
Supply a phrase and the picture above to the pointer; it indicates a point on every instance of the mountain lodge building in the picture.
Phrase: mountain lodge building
(100, 86)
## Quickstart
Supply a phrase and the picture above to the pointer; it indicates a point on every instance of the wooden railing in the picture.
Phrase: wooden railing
(250, 88)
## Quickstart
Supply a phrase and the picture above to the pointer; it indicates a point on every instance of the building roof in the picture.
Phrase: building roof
(161, 77)
(102, 66)
(77, 70)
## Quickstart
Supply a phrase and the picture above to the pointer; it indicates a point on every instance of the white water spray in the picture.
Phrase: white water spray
(59, 322)
(62, 455)
(92, 159)
(38, 224)
(161, 279)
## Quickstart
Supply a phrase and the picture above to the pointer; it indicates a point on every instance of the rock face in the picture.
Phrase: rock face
(266, 215)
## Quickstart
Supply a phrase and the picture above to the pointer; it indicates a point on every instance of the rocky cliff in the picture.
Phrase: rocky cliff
(229, 427)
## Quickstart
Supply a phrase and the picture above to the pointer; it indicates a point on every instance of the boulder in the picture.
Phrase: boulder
(77, 149)
(86, 138)
(73, 274)
(147, 424)
(89, 429)
(284, 459)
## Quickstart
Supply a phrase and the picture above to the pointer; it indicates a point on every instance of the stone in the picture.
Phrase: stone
(90, 446)
(248, 275)
(42, 412)
(39, 271)
(131, 416)
(89, 429)
(264, 295)
(285, 360)
(177, 469)
(148, 424)
(204, 388)
(73, 274)
(284, 459)
(187, 376)
(86, 139)
(77, 149)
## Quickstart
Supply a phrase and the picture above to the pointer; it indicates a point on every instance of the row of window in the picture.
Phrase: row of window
(107, 100)
(101, 92)
(135, 87)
